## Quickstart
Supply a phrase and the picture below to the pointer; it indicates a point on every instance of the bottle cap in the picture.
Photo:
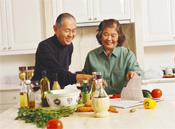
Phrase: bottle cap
(31, 67)
(85, 81)
(22, 68)
(94, 73)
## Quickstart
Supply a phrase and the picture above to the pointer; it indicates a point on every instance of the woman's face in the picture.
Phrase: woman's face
(109, 39)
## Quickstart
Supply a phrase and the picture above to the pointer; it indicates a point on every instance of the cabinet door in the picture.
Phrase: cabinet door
(80, 9)
(158, 21)
(24, 24)
(117, 9)
(3, 29)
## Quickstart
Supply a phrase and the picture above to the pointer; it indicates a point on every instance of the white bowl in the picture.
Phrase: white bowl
(63, 97)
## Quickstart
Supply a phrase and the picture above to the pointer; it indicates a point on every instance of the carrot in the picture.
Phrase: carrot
(85, 109)
(112, 109)
(88, 105)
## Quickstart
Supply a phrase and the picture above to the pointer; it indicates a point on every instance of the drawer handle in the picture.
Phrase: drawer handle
(90, 19)
(14, 97)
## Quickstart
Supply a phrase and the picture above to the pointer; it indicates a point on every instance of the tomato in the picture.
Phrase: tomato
(114, 96)
(156, 93)
(54, 124)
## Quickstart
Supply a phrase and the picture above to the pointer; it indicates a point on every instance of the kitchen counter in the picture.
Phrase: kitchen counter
(161, 117)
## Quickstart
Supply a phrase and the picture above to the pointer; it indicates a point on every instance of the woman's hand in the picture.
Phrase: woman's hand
(130, 75)
(104, 83)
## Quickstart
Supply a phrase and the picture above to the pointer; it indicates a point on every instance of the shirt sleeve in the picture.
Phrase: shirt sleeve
(133, 65)
(47, 60)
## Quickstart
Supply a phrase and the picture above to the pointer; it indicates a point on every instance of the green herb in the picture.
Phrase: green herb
(49, 92)
(40, 116)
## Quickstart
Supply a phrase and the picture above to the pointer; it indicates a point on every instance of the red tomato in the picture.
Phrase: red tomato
(114, 96)
(54, 124)
(156, 93)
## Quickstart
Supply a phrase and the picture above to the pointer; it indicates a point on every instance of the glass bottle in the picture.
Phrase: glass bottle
(100, 100)
(30, 95)
(45, 86)
(23, 96)
(93, 84)
(56, 85)
(85, 92)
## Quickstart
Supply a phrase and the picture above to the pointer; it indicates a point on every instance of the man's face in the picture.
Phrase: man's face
(66, 32)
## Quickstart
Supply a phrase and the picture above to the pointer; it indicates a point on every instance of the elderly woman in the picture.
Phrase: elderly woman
(116, 63)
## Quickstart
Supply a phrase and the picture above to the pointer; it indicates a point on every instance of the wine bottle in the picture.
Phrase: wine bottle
(85, 92)
(56, 85)
(45, 86)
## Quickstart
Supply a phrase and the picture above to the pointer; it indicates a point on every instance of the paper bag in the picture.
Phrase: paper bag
(133, 90)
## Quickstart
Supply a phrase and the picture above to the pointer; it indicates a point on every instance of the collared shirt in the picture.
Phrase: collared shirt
(113, 67)
(53, 57)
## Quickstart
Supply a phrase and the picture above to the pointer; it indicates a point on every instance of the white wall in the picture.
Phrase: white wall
(163, 56)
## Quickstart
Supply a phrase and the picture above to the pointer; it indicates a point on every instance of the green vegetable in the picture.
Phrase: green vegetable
(146, 93)
(49, 92)
(40, 116)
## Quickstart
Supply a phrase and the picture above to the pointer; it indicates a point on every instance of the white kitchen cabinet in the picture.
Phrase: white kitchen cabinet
(158, 22)
(91, 12)
(21, 26)
(9, 96)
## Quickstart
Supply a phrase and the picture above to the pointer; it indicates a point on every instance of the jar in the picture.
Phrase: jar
(30, 72)
(22, 74)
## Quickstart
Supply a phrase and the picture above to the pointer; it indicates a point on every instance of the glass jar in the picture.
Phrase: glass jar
(30, 72)
(22, 74)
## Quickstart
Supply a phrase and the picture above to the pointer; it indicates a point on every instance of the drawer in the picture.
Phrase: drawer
(9, 96)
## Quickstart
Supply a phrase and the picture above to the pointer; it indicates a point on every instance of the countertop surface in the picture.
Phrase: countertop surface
(161, 117)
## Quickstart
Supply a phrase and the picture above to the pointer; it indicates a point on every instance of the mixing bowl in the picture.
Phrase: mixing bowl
(63, 97)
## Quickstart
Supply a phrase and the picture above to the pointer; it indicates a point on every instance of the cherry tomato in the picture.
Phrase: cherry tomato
(114, 96)
(54, 124)
(156, 93)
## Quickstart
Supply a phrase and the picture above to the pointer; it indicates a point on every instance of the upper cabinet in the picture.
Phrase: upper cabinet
(21, 26)
(91, 12)
(158, 22)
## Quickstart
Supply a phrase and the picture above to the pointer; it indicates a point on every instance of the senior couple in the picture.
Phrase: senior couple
(116, 63)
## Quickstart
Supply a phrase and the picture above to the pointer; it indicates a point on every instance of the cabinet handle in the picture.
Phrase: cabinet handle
(14, 97)
(90, 19)
(9, 48)
(95, 18)
(4, 48)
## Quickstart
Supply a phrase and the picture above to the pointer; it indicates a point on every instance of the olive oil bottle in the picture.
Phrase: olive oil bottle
(93, 84)
(56, 85)
(45, 86)
(23, 96)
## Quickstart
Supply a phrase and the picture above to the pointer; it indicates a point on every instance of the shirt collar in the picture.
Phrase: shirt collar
(115, 52)
(57, 41)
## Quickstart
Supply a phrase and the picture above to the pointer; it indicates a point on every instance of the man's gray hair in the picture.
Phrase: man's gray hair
(63, 16)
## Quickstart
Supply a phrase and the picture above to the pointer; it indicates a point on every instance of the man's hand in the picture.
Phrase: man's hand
(81, 77)
(130, 75)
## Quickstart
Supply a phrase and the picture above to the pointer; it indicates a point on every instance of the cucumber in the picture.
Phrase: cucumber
(146, 94)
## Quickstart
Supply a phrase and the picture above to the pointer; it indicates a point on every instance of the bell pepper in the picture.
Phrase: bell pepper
(149, 103)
